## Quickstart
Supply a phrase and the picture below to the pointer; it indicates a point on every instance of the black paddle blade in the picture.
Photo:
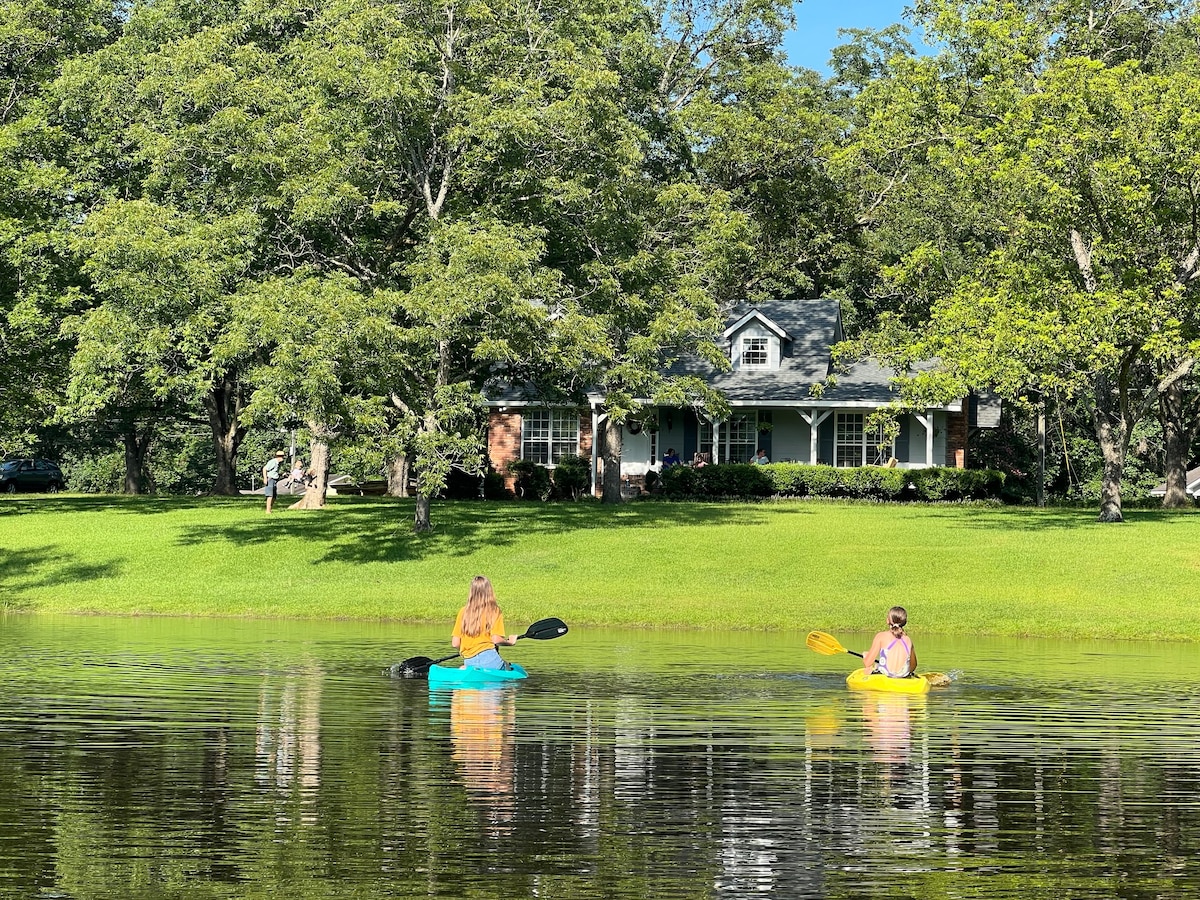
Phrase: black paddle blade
(545, 629)
(417, 667)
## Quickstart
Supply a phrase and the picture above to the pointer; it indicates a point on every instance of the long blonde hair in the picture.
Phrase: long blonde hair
(482, 609)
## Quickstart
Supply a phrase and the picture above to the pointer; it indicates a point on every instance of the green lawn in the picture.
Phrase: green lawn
(790, 566)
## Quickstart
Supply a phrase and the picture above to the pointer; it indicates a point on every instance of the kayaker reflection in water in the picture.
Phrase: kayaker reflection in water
(479, 628)
(892, 650)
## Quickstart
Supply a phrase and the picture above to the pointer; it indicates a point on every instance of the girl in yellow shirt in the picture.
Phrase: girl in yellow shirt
(479, 628)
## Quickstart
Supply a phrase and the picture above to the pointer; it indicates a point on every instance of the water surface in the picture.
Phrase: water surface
(214, 759)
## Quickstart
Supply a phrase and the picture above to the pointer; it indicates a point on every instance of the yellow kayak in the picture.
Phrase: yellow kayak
(859, 680)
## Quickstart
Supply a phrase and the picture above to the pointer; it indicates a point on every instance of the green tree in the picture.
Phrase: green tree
(36, 40)
(1078, 168)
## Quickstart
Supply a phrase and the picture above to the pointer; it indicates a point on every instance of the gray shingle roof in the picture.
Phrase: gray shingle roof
(815, 325)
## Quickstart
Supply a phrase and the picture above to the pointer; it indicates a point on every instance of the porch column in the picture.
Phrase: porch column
(596, 420)
(814, 418)
(926, 420)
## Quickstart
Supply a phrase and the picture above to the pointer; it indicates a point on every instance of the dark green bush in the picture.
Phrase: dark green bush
(494, 487)
(873, 483)
(824, 481)
(461, 485)
(572, 477)
(802, 480)
(734, 480)
(788, 479)
(533, 479)
(679, 482)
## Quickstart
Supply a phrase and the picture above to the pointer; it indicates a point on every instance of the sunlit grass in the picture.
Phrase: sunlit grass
(788, 566)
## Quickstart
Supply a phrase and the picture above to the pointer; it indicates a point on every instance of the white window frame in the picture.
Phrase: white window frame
(740, 450)
(756, 352)
(853, 446)
(547, 435)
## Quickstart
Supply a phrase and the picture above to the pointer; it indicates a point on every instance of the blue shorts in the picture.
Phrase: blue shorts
(486, 659)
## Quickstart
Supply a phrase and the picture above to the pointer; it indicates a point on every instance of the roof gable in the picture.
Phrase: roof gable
(754, 314)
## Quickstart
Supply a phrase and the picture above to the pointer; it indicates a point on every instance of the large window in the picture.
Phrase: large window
(741, 433)
(549, 435)
(739, 438)
(754, 352)
(855, 446)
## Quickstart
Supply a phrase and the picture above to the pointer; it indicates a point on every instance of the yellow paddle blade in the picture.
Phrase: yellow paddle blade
(936, 679)
(824, 643)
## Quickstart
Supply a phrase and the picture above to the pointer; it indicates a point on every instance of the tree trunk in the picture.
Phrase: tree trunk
(136, 448)
(611, 447)
(421, 521)
(318, 451)
(397, 475)
(1171, 403)
(223, 403)
(1113, 439)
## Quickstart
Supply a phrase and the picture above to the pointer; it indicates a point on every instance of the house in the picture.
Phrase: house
(778, 351)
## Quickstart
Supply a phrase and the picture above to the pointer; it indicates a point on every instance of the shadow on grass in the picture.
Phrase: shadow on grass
(1027, 518)
(41, 567)
(143, 505)
(367, 529)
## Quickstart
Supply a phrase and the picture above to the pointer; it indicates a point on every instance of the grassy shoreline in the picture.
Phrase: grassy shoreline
(788, 566)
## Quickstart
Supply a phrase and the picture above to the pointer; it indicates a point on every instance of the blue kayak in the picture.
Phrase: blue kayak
(468, 676)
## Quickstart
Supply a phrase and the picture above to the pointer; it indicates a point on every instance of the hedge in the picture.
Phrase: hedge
(802, 480)
(739, 481)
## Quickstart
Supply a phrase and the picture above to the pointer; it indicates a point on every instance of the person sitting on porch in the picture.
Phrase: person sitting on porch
(761, 458)
(671, 458)
(700, 460)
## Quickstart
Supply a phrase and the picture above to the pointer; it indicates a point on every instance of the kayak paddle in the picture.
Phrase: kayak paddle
(828, 645)
(418, 666)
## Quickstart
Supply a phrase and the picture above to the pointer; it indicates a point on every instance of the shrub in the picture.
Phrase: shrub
(679, 482)
(100, 474)
(572, 477)
(533, 479)
(494, 487)
(461, 485)
(873, 482)
(788, 479)
(956, 484)
(734, 480)
(824, 481)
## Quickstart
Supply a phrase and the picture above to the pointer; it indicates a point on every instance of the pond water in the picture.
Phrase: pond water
(213, 759)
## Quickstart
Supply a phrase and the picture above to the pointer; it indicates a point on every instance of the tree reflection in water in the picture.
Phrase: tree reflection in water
(287, 737)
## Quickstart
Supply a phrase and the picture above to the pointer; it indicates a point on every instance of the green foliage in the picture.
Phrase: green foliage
(532, 479)
(494, 487)
(735, 481)
(95, 474)
(802, 480)
(874, 483)
(788, 479)
(572, 477)
(1034, 185)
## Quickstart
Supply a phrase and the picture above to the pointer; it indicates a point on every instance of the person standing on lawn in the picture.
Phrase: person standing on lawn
(270, 475)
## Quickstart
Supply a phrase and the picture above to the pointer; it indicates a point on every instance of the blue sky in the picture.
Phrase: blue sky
(818, 21)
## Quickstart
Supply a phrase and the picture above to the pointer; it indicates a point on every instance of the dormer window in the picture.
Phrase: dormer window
(754, 352)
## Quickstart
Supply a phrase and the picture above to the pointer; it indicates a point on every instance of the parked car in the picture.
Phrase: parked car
(30, 475)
